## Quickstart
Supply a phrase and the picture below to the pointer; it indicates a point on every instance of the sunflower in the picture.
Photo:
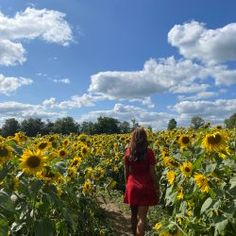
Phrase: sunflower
(87, 187)
(66, 142)
(20, 137)
(76, 161)
(72, 172)
(62, 153)
(5, 153)
(84, 150)
(43, 145)
(215, 142)
(180, 194)
(83, 138)
(186, 168)
(157, 226)
(170, 176)
(98, 173)
(48, 174)
(32, 161)
(202, 182)
(184, 141)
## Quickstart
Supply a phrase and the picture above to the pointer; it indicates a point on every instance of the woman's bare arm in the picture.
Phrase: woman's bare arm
(126, 172)
(154, 176)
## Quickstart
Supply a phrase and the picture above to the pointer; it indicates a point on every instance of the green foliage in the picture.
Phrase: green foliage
(231, 121)
(172, 124)
(10, 127)
(32, 126)
(65, 125)
(197, 122)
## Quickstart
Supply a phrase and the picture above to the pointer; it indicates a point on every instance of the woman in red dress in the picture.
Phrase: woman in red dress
(142, 188)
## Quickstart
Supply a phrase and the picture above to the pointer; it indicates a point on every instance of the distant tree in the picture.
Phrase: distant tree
(125, 127)
(32, 126)
(134, 124)
(231, 121)
(48, 128)
(87, 127)
(172, 124)
(66, 125)
(197, 122)
(10, 127)
(107, 125)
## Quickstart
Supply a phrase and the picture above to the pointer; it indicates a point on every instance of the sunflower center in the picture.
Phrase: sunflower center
(62, 153)
(185, 140)
(51, 139)
(33, 161)
(214, 139)
(3, 152)
(187, 169)
(84, 150)
(42, 145)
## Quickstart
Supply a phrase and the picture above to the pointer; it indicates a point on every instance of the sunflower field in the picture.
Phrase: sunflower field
(50, 185)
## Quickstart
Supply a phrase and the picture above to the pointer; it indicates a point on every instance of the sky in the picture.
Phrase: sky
(148, 60)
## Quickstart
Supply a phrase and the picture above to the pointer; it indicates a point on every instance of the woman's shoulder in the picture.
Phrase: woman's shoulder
(127, 151)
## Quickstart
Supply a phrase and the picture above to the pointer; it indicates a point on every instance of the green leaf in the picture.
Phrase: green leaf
(232, 182)
(35, 187)
(4, 171)
(206, 205)
(43, 227)
(3, 227)
(211, 167)
(197, 163)
(220, 226)
(6, 202)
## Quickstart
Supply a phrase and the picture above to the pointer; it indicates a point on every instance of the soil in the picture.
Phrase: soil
(119, 221)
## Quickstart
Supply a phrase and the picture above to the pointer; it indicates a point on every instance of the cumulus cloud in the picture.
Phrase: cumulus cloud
(48, 25)
(74, 102)
(11, 53)
(211, 46)
(198, 96)
(157, 120)
(156, 77)
(24, 110)
(11, 84)
(215, 111)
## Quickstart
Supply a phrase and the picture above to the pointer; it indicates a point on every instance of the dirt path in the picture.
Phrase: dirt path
(119, 221)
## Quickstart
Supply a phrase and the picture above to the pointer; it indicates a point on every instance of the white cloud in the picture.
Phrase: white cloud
(156, 77)
(198, 96)
(51, 102)
(222, 75)
(11, 84)
(23, 110)
(215, 111)
(48, 25)
(63, 81)
(195, 41)
(189, 88)
(11, 53)
(74, 102)
(157, 120)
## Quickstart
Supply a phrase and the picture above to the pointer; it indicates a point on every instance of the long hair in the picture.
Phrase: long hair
(138, 144)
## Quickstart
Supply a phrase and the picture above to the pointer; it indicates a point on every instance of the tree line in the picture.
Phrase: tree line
(34, 126)
(107, 125)
(198, 122)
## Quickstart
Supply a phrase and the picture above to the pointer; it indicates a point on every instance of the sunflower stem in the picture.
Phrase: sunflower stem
(179, 228)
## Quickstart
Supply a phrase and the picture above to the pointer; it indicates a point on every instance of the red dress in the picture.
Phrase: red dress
(140, 188)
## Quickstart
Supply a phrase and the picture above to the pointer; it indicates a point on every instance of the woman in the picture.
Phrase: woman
(142, 188)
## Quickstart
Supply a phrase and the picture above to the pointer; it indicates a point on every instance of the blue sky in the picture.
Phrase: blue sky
(150, 60)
